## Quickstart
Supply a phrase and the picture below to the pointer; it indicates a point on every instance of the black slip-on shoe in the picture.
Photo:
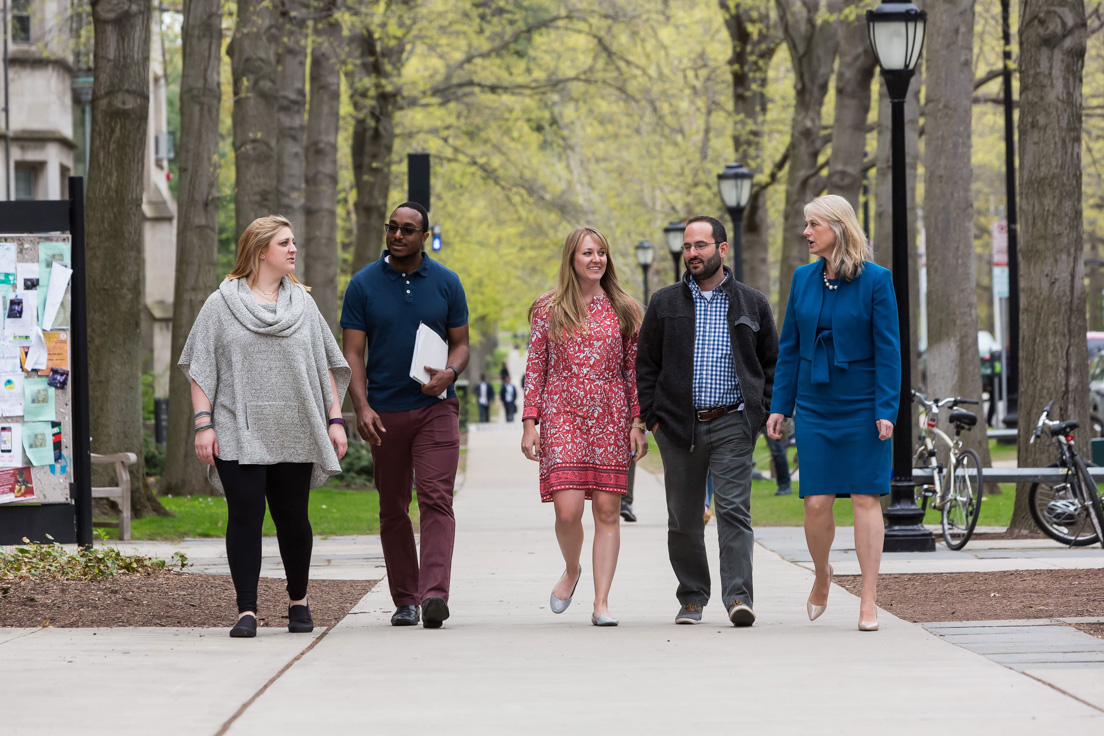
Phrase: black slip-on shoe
(245, 628)
(627, 512)
(299, 619)
(405, 616)
(434, 612)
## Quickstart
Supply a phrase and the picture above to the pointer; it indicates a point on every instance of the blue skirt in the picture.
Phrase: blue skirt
(837, 438)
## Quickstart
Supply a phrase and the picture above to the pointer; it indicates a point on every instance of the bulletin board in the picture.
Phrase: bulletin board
(45, 459)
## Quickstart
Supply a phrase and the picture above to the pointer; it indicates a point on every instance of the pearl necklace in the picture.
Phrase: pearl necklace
(831, 287)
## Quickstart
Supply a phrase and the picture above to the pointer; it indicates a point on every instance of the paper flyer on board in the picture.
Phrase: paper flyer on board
(48, 254)
(20, 317)
(38, 443)
(57, 349)
(55, 293)
(11, 393)
(36, 354)
(38, 400)
(16, 485)
(26, 276)
(11, 445)
(7, 263)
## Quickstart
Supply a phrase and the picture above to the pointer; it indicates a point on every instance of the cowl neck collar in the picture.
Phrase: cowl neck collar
(284, 321)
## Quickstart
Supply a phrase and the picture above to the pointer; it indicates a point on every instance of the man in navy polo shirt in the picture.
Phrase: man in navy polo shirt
(413, 433)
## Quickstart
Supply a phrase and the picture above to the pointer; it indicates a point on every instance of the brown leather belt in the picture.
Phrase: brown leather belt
(708, 415)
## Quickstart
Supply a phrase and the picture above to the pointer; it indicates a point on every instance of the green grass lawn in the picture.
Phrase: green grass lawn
(332, 512)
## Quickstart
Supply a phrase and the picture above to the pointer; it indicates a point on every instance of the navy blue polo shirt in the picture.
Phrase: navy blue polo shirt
(387, 306)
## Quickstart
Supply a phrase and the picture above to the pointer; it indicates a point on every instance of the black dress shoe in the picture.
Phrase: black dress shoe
(245, 628)
(434, 612)
(405, 616)
(299, 619)
(627, 512)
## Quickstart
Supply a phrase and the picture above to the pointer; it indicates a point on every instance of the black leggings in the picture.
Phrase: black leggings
(287, 487)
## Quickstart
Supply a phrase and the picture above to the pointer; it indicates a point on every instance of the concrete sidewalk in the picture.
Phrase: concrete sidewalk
(505, 664)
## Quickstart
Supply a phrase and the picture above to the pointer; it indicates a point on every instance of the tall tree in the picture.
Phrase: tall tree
(116, 177)
(853, 77)
(755, 39)
(1053, 354)
(291, 108)
(952, 358)
(196, 226)
(811, 31)
(320, 233)
(252, 52)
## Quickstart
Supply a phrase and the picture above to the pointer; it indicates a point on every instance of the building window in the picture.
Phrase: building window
(24, 182)
(21, 21)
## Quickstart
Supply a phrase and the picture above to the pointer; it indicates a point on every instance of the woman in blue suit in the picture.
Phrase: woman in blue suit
(839, 363)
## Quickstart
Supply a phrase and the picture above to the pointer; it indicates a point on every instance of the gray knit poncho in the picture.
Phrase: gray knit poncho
(265, 368)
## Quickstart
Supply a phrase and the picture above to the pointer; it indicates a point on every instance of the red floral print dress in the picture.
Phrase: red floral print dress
(582, 392)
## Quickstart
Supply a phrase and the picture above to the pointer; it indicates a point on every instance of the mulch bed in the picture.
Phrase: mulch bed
(987, 596)
(164, 598)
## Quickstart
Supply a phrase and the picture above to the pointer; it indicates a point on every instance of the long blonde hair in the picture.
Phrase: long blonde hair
(253, 242)
(565, 303)
(852, 249)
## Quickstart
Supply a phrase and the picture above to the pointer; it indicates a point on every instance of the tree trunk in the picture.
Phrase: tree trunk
(1096, 286)
(252, 52)
(320, 233)
(812, 39)
(291, 108)
(116, 176)
(853, 77)
(1053, 354)
(196, 228)
(754, 41)
(375, 103)
(953, 365)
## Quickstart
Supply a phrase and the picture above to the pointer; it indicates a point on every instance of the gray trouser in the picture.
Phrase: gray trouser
(723, 446)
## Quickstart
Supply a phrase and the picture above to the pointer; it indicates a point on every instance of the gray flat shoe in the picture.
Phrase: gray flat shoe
(603, 620)
(556, 604)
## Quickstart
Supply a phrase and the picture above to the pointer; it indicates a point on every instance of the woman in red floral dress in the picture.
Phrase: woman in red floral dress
(580, 386)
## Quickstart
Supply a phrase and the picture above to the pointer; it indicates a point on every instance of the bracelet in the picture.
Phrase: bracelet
(205, 426)
(640, 425)
(336, 420)
(456, 372)
(199, 414)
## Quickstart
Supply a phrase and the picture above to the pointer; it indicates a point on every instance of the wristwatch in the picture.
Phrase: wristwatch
(456, 373)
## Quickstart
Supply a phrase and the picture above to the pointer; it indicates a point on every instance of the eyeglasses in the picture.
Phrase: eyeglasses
(699, 246)
(407, 230)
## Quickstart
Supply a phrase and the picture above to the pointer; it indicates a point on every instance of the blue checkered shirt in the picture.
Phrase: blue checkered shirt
(715, 380)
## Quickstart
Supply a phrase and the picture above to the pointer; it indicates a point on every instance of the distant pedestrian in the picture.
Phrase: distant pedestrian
(839, 363)
(508, 394)
(484, 393)
(581, 388)
(267, 381)
(704, 374)
(413, 433)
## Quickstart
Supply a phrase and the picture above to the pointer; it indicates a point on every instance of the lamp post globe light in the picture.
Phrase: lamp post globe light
(734, 184)
(673, 233)
(645, 254)
(896, 32)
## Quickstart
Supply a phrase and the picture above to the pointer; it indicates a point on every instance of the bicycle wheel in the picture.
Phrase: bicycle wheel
(1092, 496)
(923, 492)
(960, 513)
(1059, 512)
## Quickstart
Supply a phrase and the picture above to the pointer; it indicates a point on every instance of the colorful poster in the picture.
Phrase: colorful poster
(7, 263)
(38, 443)
(55, 435)
(57, 349)
(11, 445)
(38, 400)
(16, 485)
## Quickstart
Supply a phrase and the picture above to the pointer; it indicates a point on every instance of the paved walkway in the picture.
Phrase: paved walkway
(505, 664)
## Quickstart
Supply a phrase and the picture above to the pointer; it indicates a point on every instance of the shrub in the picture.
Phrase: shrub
(155, 454)
(356, 467)
(52, 562)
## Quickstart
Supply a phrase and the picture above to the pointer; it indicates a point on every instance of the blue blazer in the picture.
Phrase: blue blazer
(864, 326)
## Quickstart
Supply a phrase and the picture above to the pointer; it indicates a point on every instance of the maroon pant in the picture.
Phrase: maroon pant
(422, 445)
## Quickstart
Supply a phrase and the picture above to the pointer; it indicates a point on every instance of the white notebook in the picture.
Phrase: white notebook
(431, 350)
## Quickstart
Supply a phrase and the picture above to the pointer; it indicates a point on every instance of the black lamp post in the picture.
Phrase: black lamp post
(735, 186)
(673, 232)
(1012, 358)
(645, 254)
(896, 32)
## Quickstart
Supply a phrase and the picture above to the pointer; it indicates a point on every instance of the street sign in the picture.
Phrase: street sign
(1000, 282)
(1000, 246)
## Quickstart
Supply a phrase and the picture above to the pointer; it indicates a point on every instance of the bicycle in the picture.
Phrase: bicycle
(1069, 511)
(956, 489)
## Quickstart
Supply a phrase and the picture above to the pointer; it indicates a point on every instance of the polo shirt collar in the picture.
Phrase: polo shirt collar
(392, 273)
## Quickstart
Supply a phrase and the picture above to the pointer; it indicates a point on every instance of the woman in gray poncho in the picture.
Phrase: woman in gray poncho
(268, 379)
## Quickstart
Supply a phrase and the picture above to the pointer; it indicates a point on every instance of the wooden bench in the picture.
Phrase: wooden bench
(120, 493)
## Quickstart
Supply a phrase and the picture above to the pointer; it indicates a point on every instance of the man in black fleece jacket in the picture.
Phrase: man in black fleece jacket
(704, 374)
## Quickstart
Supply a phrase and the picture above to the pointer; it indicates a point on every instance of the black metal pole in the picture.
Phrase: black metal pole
(676, 257)
(737, 215)
(1012, 359)
(905, 531)
(866, 205)
(645, 267)
(81, 491)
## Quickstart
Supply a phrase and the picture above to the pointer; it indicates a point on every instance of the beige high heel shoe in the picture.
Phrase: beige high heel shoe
(868, 625)
(814, 610)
